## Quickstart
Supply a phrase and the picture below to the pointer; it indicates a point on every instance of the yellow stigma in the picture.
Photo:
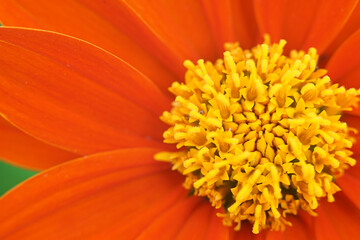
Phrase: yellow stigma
(259, 133)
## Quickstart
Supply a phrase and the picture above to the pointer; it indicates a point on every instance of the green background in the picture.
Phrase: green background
(11, 176)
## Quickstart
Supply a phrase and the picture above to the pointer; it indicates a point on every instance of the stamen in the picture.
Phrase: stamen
(259, 134)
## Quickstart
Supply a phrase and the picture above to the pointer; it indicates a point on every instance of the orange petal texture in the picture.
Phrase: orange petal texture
(150, 35)
(338, 220)
(83, 20)
(199, 220)
(349, 185)
(108, 195)
(82, 102)
(351, 26)
(350, 182)
(20, 149)
(168, 35)
(166, 220)
(231, 21)
(353, 120)
(303, 24)
(298, 231)
(344, 65)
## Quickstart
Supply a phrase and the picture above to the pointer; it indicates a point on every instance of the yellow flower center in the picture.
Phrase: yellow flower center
(259, 133)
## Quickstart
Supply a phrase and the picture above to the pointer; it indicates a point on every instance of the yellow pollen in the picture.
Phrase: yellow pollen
(259, 133)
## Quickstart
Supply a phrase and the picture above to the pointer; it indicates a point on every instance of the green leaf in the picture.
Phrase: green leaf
(10, 176)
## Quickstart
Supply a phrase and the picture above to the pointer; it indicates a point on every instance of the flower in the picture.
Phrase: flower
(104, 104)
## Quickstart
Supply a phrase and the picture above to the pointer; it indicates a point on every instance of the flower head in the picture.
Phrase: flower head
(260, 133)
(265, 135)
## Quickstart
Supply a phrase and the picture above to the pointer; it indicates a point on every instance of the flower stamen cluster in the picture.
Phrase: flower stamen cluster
(259, 134)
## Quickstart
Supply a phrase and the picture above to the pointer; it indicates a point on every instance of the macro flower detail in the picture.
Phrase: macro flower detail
(260, 133)
(265, 136)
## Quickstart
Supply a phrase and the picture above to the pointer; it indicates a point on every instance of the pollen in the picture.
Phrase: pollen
(259, 134)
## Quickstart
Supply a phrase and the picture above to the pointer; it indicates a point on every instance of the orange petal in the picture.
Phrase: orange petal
(195, 227)
(355, 170)
(338, 220)
(353, 121)
(351, 26)
(220, 18)
(21, 149)
(298, 231)
(75, 95)
(303, 24)
(183, 213)
(216, 229)
(109, 195)
(171, 30)
(331, 17)
(12, 13)
(344, 65)
(160, 34)
(350, 186)
(231, 21)
(324, 228)
(350, 182)
(307, 220)
(244, 233)
(171, 220)
(92, 21)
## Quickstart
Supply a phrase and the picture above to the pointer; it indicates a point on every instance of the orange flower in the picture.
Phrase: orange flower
(101, 104)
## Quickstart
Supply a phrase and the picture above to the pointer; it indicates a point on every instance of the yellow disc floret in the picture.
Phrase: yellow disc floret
(259, 133)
